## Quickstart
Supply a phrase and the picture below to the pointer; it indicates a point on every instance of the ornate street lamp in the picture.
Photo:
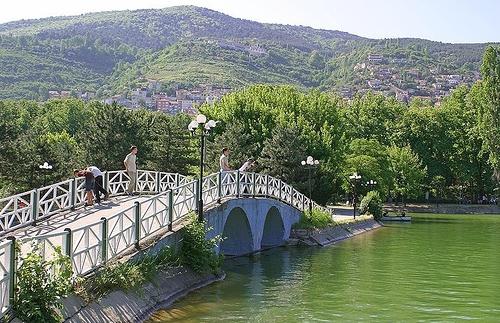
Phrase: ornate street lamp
(310, 163)
(45, 167)
(205, 127)
(371, 184)
(354, 179)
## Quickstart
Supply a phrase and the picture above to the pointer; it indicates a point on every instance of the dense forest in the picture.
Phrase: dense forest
(451, 151)
(112, 52)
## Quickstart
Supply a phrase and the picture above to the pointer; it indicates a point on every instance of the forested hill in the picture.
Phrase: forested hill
(111, 52)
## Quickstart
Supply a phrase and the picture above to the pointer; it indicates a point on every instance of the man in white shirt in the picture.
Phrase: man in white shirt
(98, 185)
(224, 161)
(131, 168)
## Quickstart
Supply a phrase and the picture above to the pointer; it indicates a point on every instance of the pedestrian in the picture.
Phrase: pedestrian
(245, 180)
(89, 184)
(224, 160)
(98, 185)
(131, 168)
(224, 167)
(247, 165)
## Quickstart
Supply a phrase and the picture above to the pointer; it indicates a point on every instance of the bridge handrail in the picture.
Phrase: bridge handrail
(26, 208)
(92, 245)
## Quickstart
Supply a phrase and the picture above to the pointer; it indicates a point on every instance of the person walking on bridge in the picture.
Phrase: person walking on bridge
(131, 168)
(98, 185)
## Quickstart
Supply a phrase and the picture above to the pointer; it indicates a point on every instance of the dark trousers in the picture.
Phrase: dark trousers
(99, 188)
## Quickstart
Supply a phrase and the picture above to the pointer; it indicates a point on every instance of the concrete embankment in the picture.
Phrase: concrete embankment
(329, 235)
(137, 306)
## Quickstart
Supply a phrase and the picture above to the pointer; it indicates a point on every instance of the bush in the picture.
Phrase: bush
(197, 252)
(372, 204)
(317, 220)
(41, 283)
(127, 275)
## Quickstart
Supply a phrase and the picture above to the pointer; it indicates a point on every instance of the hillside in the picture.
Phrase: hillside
(112, 52)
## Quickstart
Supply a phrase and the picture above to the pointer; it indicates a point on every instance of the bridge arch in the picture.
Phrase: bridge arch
(237, 234)
(273, 233)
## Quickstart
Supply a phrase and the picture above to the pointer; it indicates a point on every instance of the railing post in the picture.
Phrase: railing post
(104, 240)
(170, 209)
(12, 270)
(238, 184)
(35, 198)
(219, 186)
(137, 214)
(106, 182)
(303, 202)
(291, 195)
(280, 194)
(73, 194)
(254, 185)
(177, 180)
(68, 243)
(267, 185)
(158, 184)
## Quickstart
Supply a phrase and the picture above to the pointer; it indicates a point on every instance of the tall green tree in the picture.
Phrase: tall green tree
(490, 112)
(282, 155)
(407, 172)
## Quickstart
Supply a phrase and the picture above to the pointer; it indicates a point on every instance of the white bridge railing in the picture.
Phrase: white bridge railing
(91, 246)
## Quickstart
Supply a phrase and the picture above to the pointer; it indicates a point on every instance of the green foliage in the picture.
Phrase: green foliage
(371, 204)
(197, 252)
(70, 134)
(282, 155)
(280, 126)
(127, 275)
(317, 220)
(407, 171)
(369, 159)
(41, 284)
(490, 110)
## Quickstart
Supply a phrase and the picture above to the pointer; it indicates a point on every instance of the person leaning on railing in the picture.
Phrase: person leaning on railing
(89, 184)
(131, 168)
(98, 184)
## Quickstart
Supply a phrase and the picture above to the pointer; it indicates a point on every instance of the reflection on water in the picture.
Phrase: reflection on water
(444, 268)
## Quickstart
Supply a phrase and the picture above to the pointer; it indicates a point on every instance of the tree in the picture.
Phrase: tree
(490, 112)
(282, 155)
(407, 172)
(241, 143)
(369, 158)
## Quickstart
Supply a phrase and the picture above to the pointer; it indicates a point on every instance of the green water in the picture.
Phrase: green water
(438, 268)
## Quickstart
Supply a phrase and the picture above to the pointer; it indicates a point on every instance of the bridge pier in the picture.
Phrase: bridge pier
(251, 224)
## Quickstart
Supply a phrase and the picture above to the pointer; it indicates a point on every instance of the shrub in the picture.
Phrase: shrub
(41, 283)
(127, 275)
(197, 252)
(372, 204)
(317, 220)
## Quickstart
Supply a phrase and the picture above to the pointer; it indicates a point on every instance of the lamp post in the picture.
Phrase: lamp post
(354, 179)
(371, 184)
(201, 123)
(310, 163)
(45, 167)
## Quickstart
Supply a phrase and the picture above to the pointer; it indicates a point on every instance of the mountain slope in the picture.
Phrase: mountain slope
(109, 52)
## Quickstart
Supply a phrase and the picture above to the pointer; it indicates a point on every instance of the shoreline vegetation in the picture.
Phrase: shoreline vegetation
(412, 151)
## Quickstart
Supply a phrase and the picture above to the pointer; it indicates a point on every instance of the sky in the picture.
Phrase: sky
(454, 21)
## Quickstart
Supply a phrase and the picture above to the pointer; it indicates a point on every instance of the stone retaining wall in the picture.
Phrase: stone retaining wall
(137, 306)
(329, 235)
